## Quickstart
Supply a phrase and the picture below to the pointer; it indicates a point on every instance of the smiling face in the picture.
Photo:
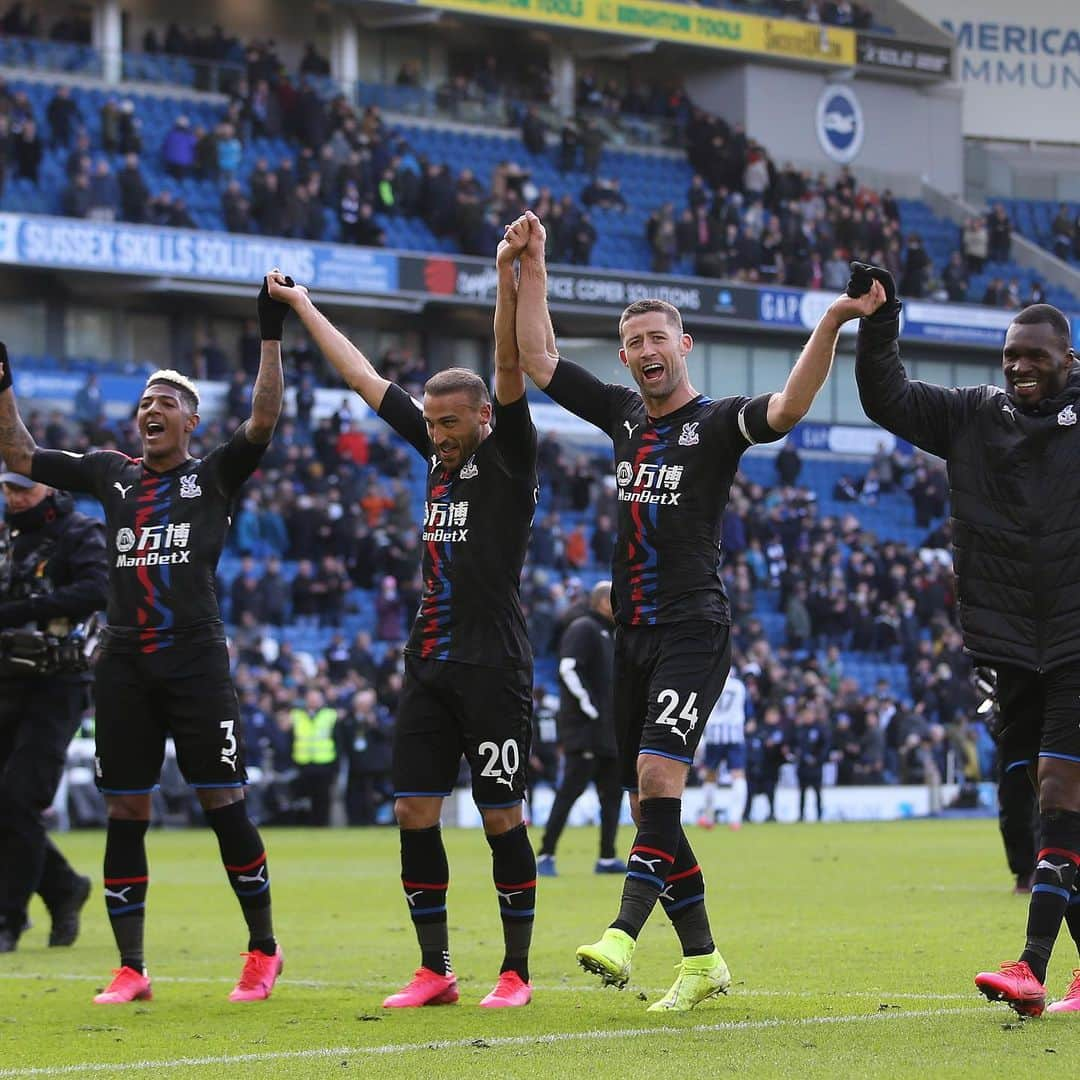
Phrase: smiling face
(165, 422)
(1036, 362)
(654, 348)
(456, 425)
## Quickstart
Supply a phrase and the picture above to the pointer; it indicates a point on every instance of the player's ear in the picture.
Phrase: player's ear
(485, 412)
(191, 422)
(686, 343)
(622, 357)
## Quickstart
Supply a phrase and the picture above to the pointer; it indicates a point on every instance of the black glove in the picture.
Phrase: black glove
(986, 691)
(986, 688)
(863, 276)
(5, 368)
(272, 313)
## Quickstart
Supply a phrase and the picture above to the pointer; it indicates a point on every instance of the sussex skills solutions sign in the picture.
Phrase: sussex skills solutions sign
(684, 23)
(110, 247)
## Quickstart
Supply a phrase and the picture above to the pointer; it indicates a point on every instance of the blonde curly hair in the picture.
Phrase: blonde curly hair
(189, 394)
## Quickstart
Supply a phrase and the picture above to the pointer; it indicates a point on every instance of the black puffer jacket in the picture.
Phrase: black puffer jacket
(59, 574)
(1014, 479)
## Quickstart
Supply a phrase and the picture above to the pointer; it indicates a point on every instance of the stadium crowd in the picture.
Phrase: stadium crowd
(339, 501)
(21, 21)
(744, 217)
(332, 511)
(1064, 239)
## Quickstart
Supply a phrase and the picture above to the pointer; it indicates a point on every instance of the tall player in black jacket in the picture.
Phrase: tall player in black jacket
(164, 665)
(676, 452)
(1012, 457)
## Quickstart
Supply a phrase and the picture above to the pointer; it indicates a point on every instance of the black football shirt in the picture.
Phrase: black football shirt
(673, 476)
(473, 539)
(165, 532)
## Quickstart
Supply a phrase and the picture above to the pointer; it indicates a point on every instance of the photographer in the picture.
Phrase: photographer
(52, 577)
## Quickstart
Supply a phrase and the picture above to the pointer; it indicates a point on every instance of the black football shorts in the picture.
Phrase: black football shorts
(1039, 715)
(667, 680)
(448, 709)
(185, 691)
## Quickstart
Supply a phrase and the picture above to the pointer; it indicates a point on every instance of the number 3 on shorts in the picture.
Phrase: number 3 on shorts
(228, 750)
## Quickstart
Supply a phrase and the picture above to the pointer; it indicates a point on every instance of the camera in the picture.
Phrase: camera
(59, 649)
(31, 652)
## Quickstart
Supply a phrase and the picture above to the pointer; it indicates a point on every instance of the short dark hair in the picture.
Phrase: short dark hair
(643, 307)
(1046, 313)
(458, 380)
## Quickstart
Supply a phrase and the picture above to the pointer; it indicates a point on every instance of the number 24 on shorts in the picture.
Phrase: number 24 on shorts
(672, 714)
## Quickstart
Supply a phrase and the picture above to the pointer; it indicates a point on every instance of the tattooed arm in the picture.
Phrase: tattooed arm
(16, 444)
(267, 395)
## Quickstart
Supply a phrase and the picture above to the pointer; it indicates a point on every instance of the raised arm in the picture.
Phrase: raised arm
(811, 370)
(920, 412)
(509, 381)
(535, 335)
(267, 395)
(17, 446)
(270, 381)
(349, 362)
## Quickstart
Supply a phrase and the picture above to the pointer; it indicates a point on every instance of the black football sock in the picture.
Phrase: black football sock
(650, 862)
(683, 898)
(1055, 874)
(513, 866)
(1072, 913)
(425, 877)
(244, 858)
(126, 880)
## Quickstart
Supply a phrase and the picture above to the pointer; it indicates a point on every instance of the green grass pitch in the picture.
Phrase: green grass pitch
(852, 949)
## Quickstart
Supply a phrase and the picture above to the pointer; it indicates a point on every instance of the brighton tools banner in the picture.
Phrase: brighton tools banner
(685, 23)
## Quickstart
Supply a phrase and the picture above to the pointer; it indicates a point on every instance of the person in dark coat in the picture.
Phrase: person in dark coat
(1011, 457)
(367, 732)
(587, 731)
(53, 577)
(811, 750)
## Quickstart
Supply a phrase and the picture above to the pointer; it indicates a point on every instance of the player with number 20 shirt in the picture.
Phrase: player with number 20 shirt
(468, 662)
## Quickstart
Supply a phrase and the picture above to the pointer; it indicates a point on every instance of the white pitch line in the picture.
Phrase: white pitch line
(561, 988)
(466, 1044)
